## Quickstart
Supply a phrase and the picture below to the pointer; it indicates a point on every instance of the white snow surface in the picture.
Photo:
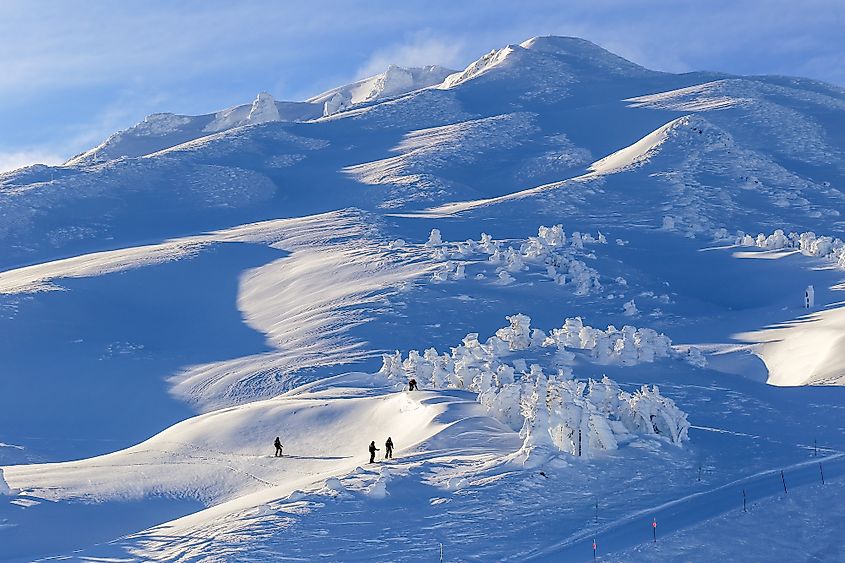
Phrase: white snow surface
(178, 296)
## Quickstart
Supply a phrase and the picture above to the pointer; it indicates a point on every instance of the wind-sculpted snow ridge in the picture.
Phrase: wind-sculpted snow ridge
(238, 141)
(523, 68)
(305, 303)
(550, 251)
(418, 110)
(479, 67)
(696, 171)
(425, 153)
(337, 226)
(553, 410)
(96, 203)
(160, 131)
(713, 180)
(394, 81)
(640, 152)
(830, 248)
(767, 105)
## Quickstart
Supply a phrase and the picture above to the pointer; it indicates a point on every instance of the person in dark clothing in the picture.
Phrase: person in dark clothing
(373, 450)
(278, 444)
(388, 448)
(412, 385)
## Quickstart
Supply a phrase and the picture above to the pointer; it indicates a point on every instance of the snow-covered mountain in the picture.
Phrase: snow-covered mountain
(592, 270)
(163, 130)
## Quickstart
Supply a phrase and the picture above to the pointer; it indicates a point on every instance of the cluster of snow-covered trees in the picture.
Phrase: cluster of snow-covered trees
(575, 417)
(552, 250)
(808, 243)
(581, 418)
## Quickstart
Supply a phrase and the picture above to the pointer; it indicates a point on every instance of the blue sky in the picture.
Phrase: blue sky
(74, 72)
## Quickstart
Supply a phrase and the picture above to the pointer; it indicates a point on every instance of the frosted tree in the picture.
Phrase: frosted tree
(434, 238)
(518, 334)
(4, 486)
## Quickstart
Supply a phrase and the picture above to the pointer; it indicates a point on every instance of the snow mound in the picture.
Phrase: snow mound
(227, 455)
(379, 488)
(804, 351)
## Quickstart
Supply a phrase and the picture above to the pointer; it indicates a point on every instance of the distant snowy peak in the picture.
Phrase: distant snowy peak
(584, 55)
(395, 81)
(160, 131)
(570, 58)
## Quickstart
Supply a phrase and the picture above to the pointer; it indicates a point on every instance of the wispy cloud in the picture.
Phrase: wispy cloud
(419, 49)
(19, 159)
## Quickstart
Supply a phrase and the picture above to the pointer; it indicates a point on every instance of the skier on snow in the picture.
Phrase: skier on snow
(412, 385)
(278, 444)
(373, 450)
(388, 448)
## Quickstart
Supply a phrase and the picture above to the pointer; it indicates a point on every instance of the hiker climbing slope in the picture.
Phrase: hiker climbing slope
(388, 448)
(373, 450)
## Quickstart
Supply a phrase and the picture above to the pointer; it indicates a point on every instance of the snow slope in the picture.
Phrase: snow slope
(173, 299)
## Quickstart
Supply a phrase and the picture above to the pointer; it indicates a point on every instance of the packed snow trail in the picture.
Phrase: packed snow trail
(690, 510)
(224, 458)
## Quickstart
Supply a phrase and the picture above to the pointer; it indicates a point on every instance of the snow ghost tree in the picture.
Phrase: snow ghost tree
(434, 238)
(4, 486)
